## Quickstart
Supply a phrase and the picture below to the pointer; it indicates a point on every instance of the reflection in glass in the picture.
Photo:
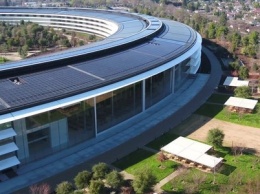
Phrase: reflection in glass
(117, 106)
(157, 87)
(181, 73)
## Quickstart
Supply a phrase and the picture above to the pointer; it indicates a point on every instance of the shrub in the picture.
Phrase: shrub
(82, 179)
(114, 179)
(64, 188)
(100, 170)
(144, 181)
(96, 187)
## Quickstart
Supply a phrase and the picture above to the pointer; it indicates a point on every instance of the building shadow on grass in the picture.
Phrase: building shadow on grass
(226, 169)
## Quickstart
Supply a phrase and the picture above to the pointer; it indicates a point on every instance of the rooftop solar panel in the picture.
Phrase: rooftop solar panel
(78, 77)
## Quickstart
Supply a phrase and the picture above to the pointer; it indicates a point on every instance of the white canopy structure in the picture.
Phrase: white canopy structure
(233, 81)
(241, 102)
(209, 161)
(193, 151)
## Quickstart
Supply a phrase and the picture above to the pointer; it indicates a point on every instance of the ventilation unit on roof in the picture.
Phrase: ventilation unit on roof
(16, 80)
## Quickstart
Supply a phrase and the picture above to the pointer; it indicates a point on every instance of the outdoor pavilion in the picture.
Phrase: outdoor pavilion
(192, 152)
(241, 105)
(235, 82)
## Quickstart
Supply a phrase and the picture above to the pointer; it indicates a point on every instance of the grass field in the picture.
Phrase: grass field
(219, 111)
(142, 159)
(239, 174)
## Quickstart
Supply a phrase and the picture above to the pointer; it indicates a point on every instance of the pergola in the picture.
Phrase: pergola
(237, 104)
(192, 152)
(235, 82)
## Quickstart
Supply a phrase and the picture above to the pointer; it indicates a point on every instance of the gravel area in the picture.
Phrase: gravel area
(197, 127)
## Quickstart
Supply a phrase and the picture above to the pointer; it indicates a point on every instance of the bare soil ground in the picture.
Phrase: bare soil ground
(197, 127)
(14, 56)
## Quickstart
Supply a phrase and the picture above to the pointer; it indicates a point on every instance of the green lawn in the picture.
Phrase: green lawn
(238, 174)
(220, 112)
(158, 143)
(3, 60)
(141, 159)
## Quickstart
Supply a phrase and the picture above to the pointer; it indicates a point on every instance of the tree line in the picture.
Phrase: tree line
(100, 180)
(29, 36)
(247, 45)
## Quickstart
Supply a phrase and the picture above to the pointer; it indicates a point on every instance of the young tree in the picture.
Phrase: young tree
(223, 19)
(96, 187)
(40, 189)
(100, 170)
(161, 158)
(64, 188)
(216, 137)
(82, 179)
(114, 179)
(243, 72)
(243, 92)
(143, 181)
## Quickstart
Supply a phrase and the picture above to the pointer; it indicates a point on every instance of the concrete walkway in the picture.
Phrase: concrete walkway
(157, 187)
(122, 139)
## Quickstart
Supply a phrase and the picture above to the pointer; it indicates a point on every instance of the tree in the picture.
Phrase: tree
(234, 65)
(207, 9)
(143, 181)
(23, 51)
(243, 72)
(114, 179)
(96, 187)
(64, 188)
(100, 170)
(161, 158)
(215, 137)
(221, 32)
(82, 179)
(243, 92)
(40, 189)
(253, 38)
(223, 19)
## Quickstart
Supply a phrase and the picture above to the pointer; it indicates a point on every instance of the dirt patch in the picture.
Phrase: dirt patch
(197, 127)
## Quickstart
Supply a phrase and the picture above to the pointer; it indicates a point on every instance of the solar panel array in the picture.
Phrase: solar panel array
(71, 79)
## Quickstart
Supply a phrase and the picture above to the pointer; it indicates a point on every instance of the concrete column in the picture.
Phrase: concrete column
(173, 78)
(95, 115)
(54, 135)
(63, 131)
(143, 92)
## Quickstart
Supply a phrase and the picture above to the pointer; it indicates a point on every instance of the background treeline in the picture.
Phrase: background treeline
(29, 36)
(218, 29)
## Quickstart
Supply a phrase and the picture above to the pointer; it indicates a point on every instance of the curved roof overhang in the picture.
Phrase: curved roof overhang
(150, 50)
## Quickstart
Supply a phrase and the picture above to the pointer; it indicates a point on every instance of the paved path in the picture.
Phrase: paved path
(122, 139)
(157, 187)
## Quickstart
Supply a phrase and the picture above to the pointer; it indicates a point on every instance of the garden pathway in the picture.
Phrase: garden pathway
(157, 187)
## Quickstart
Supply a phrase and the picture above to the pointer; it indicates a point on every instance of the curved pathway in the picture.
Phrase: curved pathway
(116, 143)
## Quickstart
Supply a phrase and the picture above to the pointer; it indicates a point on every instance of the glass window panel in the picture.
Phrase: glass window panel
(104, 111)
(157, 87)
(37, 120)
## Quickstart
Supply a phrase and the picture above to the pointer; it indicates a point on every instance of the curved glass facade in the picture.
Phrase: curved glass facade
(67, 126)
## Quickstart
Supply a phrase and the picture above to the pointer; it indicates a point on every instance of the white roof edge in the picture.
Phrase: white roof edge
(241, 102)
(234, 81)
